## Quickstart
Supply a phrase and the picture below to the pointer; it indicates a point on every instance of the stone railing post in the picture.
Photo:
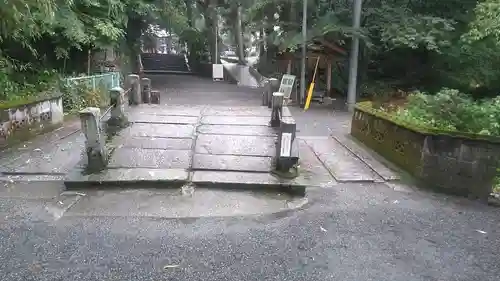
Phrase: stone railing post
(135, 93)
(118, 118)
(277, 109)
(155, 97)
(274, 87)
(97, 156)
(287, 147)
(146, 90)
(266, 87)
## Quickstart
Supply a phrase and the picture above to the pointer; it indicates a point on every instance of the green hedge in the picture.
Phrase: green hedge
(367, 106)
(28, 100)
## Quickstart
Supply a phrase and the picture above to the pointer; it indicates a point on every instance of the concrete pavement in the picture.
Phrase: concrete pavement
(355, 232)
(221, 143)
(214, 146)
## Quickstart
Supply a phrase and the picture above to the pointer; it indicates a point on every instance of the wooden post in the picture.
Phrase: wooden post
(289, 67)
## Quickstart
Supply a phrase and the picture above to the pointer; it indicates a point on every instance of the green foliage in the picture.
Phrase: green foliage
(39, 35)
(77, 96)
(20, 84)
(486, 23)
(453, 111)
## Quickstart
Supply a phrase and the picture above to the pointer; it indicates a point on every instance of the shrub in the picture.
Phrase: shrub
(21, 83)
(77, 96)
(452, 110)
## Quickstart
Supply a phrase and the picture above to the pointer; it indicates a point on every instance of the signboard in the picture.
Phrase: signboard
(286, 145)
(217, 72)
(286, 86)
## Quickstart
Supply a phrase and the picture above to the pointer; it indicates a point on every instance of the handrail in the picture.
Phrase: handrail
(108, 109)
(91, 76)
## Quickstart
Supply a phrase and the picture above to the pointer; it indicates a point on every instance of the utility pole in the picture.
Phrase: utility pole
(304, 54)
(239, 29)
(353, 63)
(217, 42)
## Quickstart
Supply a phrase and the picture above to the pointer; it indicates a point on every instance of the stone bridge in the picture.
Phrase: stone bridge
(215, 134)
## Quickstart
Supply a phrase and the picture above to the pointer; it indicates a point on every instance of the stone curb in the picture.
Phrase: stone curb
(173, 178)
(295, 189)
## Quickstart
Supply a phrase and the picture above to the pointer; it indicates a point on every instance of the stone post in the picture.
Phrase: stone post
(287, 147)
(274, 87)
(265, 92)
(97, 156)
(277, 109)
(155, 97)
(118, 118)
(146, 90)
(135, 93)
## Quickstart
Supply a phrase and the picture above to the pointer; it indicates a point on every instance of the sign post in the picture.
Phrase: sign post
(287, 82)
(218, 72)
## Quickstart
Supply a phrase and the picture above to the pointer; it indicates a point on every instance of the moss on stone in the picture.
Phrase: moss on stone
(28, 100)
(367, 107)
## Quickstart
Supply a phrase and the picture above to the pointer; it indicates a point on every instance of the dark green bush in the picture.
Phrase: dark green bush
(454, 111)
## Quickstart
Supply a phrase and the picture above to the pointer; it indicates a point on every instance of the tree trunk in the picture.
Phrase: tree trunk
(133, 42)
(189, 12)
(213, 21)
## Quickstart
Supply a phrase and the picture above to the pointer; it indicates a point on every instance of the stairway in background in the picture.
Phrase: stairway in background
(164, 63)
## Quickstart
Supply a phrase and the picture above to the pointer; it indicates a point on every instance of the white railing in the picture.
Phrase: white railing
(106, 81)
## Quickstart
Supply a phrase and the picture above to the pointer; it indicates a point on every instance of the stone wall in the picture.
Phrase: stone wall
(20, 122)
(202, 69)
(456, 163)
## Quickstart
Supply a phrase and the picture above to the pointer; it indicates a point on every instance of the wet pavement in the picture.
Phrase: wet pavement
(213, 133)
(51, 154)
(355, 222)
(362, 231)
(213, 144)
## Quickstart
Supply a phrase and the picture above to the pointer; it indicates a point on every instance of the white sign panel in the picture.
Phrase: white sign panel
(286, 86)
(217, 71)
(286, 145)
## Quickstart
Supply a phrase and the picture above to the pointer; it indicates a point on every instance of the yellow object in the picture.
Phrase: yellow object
(309, 96)
(311, 87)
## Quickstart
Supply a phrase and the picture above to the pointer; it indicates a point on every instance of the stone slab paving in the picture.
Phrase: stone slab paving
(57, 157)
(342, 164)
(232, 163)
(124, 176)
(236, 120)
(248, 130)
(219, 146)
(168, 110)
(242, 111)
(369, 159)
(150, 158)
(163, 119)
(153, 130)
(235, 145)
(154, 143)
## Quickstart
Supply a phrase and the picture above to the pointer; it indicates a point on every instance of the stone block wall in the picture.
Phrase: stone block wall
(22, 121)
(455, 163)
(460, 165)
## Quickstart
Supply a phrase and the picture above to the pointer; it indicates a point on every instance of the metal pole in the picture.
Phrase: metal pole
(353, 63)
(217, 41)
(304, 54)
